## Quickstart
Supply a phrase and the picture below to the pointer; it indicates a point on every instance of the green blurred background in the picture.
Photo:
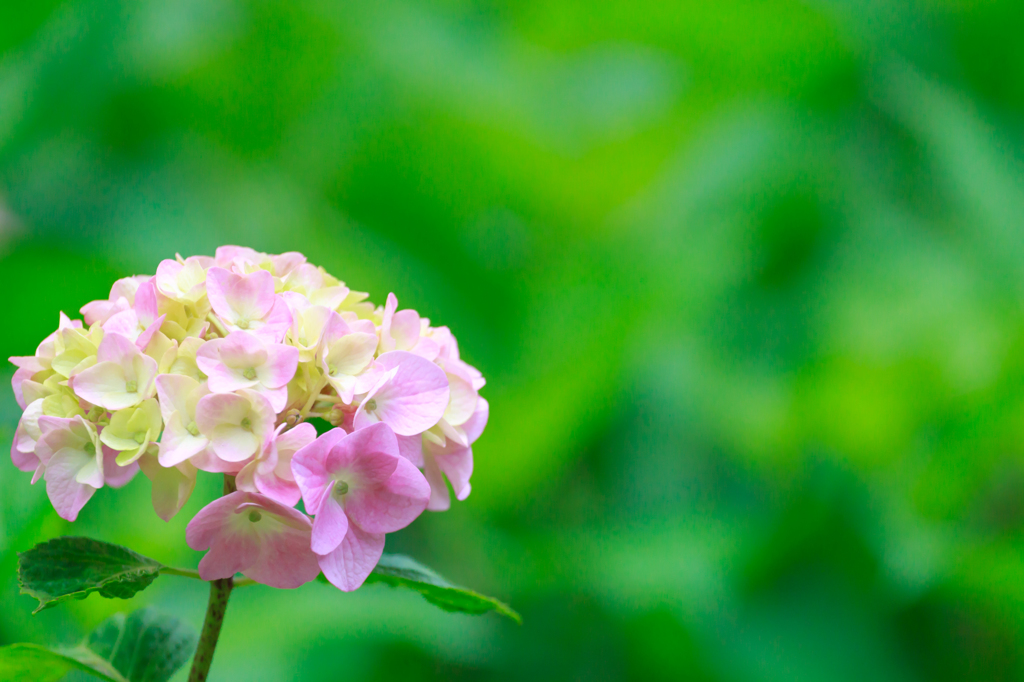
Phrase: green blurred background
(745, 279)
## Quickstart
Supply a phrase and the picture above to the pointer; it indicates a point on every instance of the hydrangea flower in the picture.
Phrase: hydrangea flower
(243, 360)
(359, 488)
(123, 375)
(215, 365)
(251, 534)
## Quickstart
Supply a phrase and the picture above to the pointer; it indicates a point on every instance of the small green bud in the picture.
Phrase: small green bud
(255, 516)
(131, 386)
(249, 373)
(371, 404)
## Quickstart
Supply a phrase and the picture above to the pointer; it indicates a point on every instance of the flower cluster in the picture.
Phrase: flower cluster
(215, 364)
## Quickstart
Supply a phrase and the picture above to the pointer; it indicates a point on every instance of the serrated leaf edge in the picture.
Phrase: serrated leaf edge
(49, 601)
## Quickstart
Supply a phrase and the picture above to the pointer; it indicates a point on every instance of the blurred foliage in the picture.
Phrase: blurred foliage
(745, 279)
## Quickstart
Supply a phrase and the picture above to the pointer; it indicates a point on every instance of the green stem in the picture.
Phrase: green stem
(220, 590)
(183, 572)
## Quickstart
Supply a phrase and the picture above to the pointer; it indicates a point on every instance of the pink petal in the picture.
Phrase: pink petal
(394, 504)
(457, 464)
(114, 475)
(440, 499)
(177, 444)
(230, 555)
(354, 559)
(24, 459)
(240, 297)
(278, 489)
(20, 376)
(274, 326)
(286, 563)
(405, 328)
(475, 425)
(309, 467)
(280, 367)
(206, 525)
(208, 461)
(411, 448)
(67, 495)
(329, 526)
(241, 349)
(145, 303)
(371, 452)
(147, 336)
(413, 400)
(220, 408)
(172, 486)
(173, 391)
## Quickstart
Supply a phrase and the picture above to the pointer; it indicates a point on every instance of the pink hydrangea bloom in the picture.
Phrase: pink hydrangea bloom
(401, 330)
(358, 488)
(252, 534)
(214, 364)
(183, 282)
(347, 355)
(237, 424)
(248, 303)
(122, 376)
(122, 297)
(179, 395)
(140, 322)
(72, 458)
(410, 396)
(453, 460)
(243, 360)
(270, 472)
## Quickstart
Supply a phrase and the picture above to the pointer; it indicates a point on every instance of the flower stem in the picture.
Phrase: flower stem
(183, 572)
(220, 590)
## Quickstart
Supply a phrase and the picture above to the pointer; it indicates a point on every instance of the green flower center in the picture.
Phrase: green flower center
(255, 516)
(140, 437)
(249, 373)
(131, 386)
(242, 324)
(340, 489)
(192, 428)
(90, 447)
(371, 404)
(247, 424)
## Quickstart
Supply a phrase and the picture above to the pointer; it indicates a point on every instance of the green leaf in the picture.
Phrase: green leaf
(398, 570)
(39, 664)
(147, 646)
(72, 568)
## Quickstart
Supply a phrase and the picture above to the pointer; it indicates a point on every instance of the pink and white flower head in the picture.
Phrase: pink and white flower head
(215, 365)
(243, 360)
(247, 302)
(359, 488)
(251, 534)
